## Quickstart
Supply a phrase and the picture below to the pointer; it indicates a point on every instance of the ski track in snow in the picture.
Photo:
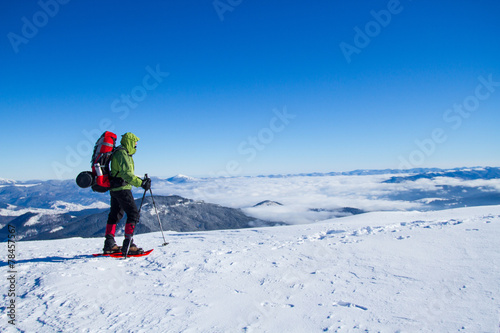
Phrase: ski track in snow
(377, 272)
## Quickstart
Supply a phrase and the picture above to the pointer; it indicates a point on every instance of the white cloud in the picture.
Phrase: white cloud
(300, 194)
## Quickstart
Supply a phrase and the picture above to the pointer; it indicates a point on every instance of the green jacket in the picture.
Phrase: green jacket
(122, 163)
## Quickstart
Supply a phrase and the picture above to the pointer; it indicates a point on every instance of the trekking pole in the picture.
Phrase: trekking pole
(158, 216)
(142, 201)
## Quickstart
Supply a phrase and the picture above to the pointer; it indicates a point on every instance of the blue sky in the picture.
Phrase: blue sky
(238, 87)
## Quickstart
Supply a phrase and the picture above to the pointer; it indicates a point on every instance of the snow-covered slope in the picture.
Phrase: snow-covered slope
(375, 272)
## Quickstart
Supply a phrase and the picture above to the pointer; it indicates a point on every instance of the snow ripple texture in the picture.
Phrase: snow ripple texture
(376, 272)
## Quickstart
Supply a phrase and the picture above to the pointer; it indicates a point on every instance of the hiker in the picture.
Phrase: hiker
(122, 200)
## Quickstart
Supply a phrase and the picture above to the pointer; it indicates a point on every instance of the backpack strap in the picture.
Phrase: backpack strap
(114, 180)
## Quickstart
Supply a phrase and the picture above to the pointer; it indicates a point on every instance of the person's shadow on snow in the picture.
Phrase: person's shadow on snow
(46, 259)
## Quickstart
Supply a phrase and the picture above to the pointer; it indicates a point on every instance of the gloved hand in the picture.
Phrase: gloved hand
(146, 183)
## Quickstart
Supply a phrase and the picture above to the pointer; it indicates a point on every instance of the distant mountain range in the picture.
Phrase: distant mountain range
(175, 213)
(179, 179)
(267, 203)
(44, 193)
(359, 172)
(464, 174)
(450, 196)
(59, 208)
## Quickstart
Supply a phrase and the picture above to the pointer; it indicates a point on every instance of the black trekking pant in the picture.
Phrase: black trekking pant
(123, 202)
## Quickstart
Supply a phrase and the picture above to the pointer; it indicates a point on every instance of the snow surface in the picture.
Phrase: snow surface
(435, 271)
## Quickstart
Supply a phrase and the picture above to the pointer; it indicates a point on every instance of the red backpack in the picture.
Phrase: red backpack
(103, 151)
(99, 178)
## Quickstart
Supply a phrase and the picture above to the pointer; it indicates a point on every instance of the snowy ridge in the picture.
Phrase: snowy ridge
(72, 207)
(4, 181)
(179, 179)
(9, 182)
(375, 272)
(58, 207)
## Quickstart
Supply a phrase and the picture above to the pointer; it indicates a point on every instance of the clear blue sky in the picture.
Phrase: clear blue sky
(358, 84)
